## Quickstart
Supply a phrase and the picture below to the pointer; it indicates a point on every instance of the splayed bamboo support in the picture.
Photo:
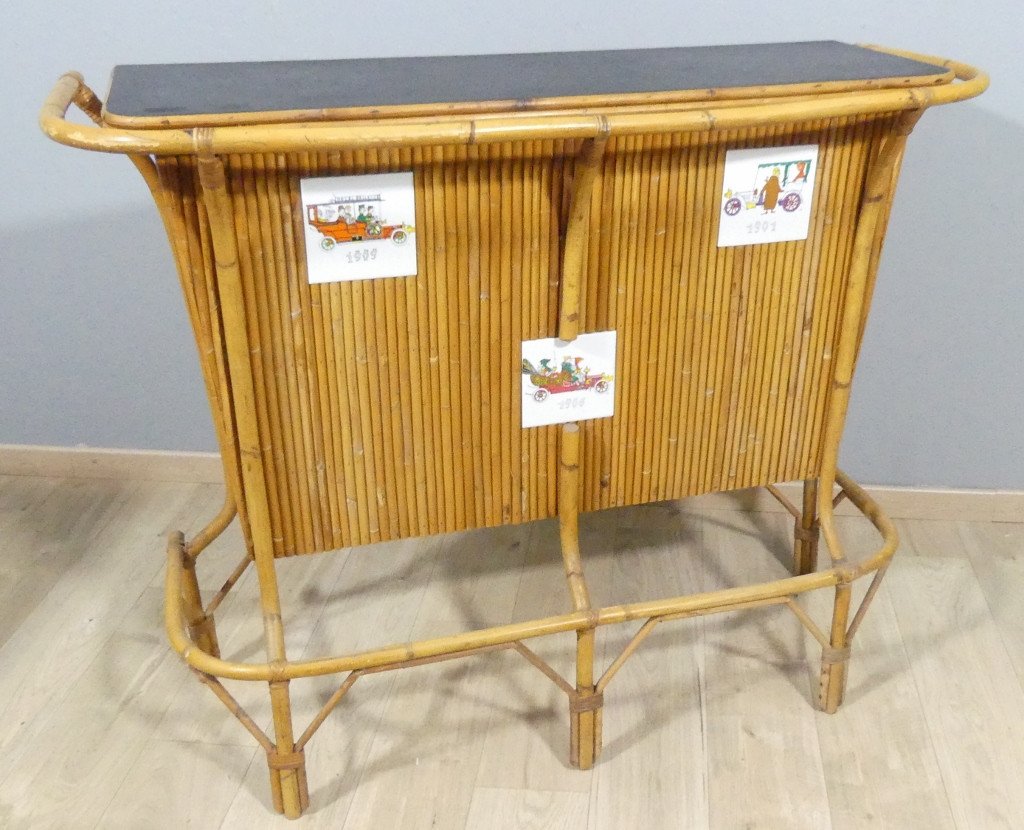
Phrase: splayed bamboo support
(354, 412)
(835, 656)
(642, 633)
(235, 708)
(229, 583)
(780, 497)
(838, 499)
(865, 603)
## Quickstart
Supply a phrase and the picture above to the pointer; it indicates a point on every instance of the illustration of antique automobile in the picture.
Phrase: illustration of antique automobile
(569, 378)
(344, 221)
(775, 183)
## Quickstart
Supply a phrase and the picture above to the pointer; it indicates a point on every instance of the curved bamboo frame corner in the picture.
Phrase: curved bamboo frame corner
(230, 388)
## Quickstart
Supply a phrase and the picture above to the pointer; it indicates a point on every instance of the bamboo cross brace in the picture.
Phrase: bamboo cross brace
(235, 708)
(807, 622)
(545, 668)
(858, 617)
(353, 676)
(648, 627)
(781, 499)
(626, 653)
(326, 709)
(531, 657)
(229, 583)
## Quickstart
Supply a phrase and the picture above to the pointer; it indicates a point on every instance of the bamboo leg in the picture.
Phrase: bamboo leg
(287, 767)
(585, 704)
(835, 658)
(585, 708)
(289, 789)
(201, 627)
(805, 533)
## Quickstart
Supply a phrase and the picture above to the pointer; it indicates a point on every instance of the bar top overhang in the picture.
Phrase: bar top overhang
(179, 109)
(195, 94)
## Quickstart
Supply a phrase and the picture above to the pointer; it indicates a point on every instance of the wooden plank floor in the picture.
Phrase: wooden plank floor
(709, 725)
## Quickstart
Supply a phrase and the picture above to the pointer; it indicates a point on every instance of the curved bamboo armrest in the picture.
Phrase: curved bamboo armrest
(399, 132)
(71, 88)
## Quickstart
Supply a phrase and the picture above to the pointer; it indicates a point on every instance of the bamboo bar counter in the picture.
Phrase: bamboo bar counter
(555, 196)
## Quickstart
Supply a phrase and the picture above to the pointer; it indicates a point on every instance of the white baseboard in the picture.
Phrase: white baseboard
(897, 502)
(203, 467)
(89, 462)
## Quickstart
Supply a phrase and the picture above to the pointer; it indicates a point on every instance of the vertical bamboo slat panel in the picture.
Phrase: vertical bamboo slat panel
(410, 421)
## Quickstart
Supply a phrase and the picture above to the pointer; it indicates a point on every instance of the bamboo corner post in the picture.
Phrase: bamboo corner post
(349, 413)
(286, 767)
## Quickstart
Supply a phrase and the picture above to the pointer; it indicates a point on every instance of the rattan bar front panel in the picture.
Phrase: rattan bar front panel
(390, 408)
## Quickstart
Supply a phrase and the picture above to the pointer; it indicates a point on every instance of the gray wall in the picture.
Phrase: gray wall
(938, 396)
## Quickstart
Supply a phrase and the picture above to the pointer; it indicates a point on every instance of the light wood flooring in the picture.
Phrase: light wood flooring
(709, 725)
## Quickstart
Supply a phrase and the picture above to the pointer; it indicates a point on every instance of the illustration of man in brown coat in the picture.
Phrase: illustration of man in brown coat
(771, 191)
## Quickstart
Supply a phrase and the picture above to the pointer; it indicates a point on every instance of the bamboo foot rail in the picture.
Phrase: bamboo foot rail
(355, 412)
(585, 698)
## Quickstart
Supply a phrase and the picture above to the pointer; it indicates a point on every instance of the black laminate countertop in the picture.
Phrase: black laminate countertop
(195, 93)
